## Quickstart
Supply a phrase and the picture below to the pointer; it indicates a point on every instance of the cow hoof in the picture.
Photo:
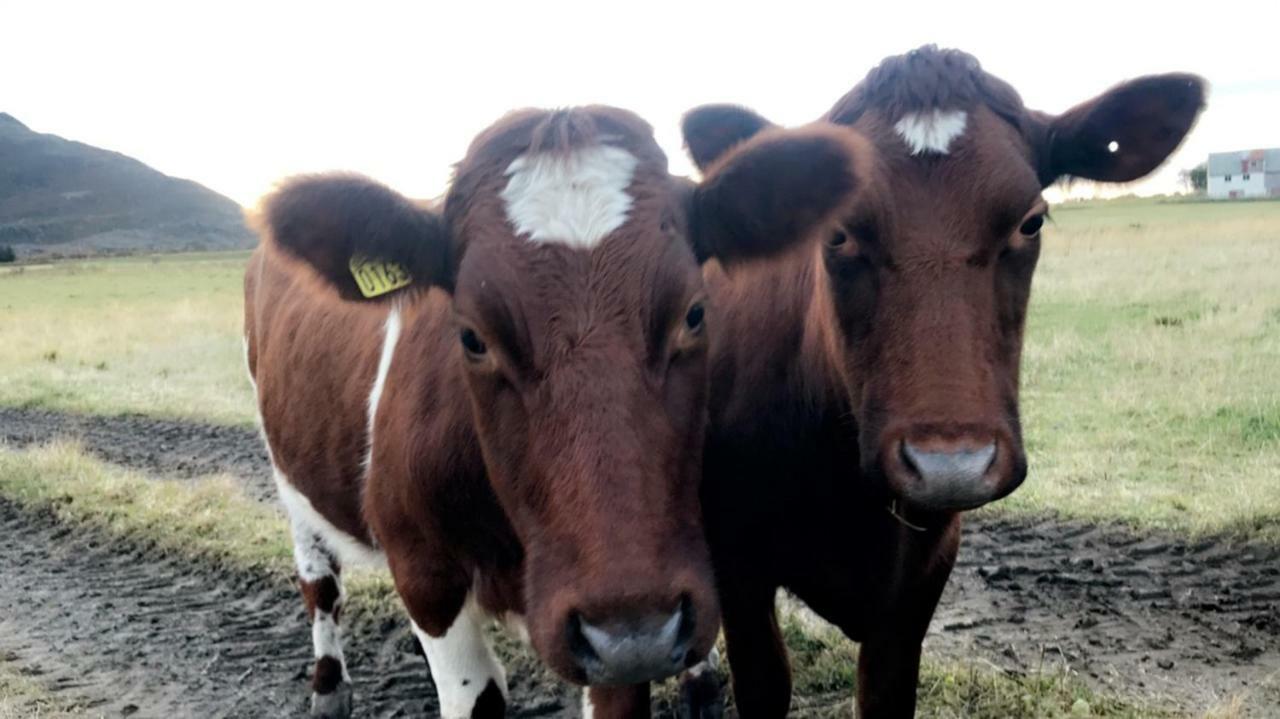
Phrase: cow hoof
(700, 696)
(334, 705)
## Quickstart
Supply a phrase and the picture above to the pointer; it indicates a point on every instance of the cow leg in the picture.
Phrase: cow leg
(470, 682)
(321, 585)
(757, 655)
(626, 702)
(888, 669)
(700, 696)
(889, 657)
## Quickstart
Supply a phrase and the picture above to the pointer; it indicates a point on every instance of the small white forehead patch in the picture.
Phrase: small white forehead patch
(576, 198)
(931, 131)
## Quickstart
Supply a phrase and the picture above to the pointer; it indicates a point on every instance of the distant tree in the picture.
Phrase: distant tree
(7, 254)
(1197, 178)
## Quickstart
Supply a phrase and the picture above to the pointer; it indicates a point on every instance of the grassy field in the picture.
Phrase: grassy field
(1151, 379)
(1152, 368)
(152, 335)
(214, 522)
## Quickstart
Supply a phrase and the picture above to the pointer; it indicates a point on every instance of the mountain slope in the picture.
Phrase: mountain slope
(60, 196)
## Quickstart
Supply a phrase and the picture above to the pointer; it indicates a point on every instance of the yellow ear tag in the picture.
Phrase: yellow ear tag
(377, 277)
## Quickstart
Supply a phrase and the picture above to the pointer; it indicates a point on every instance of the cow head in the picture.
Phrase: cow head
(572, 258)
(927, 276)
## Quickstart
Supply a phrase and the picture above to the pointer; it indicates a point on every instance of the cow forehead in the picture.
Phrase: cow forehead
(576, 197)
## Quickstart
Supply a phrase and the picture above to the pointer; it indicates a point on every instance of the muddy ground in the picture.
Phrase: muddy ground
(1156, 616)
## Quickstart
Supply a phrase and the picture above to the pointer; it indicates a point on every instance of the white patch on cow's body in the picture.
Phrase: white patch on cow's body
(932, 130)
(312, 533)
(588, 709)
(390, 337)
(576, 198)
(252, 382)
(462, 662)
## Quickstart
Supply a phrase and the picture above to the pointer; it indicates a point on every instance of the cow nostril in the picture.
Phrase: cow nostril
(680, 650)
(579, 647)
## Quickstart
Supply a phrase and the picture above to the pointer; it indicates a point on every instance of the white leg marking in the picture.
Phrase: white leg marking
(315, 560)
(931, 131)
(390, 337)
(588, 709)
(576, 198)
(326, 638)
(462, 663)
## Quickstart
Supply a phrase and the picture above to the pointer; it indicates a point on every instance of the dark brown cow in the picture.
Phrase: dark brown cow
(865, 388)
(518, 431)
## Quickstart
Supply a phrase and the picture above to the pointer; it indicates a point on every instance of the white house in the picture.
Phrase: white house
(1247, 173)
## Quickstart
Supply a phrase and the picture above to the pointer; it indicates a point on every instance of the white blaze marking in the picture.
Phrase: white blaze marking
(576, 198)
(462, 663)
(931, 131)
(588, 709)
(390, 336)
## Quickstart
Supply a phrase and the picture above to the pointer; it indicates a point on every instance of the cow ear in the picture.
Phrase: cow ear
(1124, 133)
(776, 189)
(366, 240)
(712, 130)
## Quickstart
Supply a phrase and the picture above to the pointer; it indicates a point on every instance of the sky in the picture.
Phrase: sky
(239, 95)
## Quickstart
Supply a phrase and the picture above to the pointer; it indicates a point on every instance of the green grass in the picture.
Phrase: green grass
(1151, 378)
(153, 335)
(212, 521)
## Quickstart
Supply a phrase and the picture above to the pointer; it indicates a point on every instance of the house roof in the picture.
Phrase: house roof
(1229, 163)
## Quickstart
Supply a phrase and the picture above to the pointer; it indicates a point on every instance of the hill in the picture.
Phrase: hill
(60, 197)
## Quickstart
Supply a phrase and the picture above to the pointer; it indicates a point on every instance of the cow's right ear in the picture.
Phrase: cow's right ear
(366, 240)
(776, 190)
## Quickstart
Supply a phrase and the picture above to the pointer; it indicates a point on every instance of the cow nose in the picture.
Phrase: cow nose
(949, 478)
(633, 651)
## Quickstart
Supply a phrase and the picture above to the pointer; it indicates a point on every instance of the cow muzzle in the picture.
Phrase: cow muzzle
(952, 475)
(633, 651)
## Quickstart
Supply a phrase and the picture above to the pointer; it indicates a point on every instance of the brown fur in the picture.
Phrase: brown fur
(903, 321)
(558, 472)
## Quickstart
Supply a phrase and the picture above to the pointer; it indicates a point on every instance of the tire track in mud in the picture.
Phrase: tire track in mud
(130, 631)
(1149, 615)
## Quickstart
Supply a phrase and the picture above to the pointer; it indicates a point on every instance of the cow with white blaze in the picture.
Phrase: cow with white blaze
(504, 398)
(865, 386)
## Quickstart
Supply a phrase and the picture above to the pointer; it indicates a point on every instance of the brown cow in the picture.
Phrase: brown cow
(515, 424)
(865, 388)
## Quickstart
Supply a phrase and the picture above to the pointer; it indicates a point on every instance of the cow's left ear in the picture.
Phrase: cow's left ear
(364, 239)
(1124, 133)
(777, 190)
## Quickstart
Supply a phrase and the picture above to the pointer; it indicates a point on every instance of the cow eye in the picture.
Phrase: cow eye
(694, 319)
(471, 342)
(1031, 226)
(838, 239)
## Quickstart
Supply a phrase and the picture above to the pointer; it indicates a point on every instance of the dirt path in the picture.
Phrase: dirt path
(1144, 615)
(131, 632)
